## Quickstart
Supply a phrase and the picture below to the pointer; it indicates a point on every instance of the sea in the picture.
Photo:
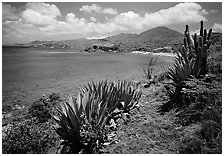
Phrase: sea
(29, 73)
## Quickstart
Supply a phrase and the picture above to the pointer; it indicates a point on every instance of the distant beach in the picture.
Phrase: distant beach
(151, 53)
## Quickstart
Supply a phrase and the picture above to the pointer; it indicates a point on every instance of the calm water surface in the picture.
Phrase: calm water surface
(29, 73)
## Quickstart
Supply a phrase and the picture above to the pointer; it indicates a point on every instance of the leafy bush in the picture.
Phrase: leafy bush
(42, 108)
(26, 137)
(40, 111)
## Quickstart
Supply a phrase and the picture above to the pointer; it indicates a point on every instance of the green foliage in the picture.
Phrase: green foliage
(38, 110)
(26, 137)
(42, 108)
(82, 120)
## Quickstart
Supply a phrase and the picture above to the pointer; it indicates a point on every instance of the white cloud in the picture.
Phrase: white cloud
(98, 9)
(45, 9)
(90, 8)
(93, 19)
(129, 19)
(36, 18)
(181, 13)
(40, 14)
(110, 11)
(217, 27)
(41, 19)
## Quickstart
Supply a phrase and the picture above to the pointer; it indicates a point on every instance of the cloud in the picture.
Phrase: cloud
(40, 19)
(181, 13)
(217, 27)
(9, 13)
(40, 14)
(109, 11)
(36, 18)
(98, 9)
(130, 20)
(93, 19)
(44, 9)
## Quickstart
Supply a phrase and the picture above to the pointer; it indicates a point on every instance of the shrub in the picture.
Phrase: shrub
(38, 110)
(26, 137)
(42, 108)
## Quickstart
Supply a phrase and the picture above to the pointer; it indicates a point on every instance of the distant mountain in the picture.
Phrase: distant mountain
(122, 37)
(146, 41)
(158, 33)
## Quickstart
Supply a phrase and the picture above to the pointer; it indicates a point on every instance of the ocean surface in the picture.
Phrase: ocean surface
(29, 73)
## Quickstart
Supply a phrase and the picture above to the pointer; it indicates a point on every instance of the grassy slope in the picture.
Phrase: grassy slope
(147, 131)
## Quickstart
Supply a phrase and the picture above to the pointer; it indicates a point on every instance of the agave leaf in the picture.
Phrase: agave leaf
(64, 124)
(77, 104)
(102, 114)
(63, 118)
(63, 134)
(73, 118)
(59, 122)
(64, 109)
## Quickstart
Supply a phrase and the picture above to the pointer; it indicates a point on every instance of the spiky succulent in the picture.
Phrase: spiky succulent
(92, 108)
(129, 94)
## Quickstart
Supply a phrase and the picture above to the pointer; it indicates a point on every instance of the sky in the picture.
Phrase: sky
(25, 22)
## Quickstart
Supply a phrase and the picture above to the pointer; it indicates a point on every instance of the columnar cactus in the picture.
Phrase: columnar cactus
(191, 59)
(197, 49)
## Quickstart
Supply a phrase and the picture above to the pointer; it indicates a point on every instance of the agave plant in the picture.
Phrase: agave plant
(76, 114)
(105, 91)
(129, 94)
(82, 120)
(69, 123)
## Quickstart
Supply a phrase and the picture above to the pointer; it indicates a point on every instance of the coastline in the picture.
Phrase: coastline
(151, 53)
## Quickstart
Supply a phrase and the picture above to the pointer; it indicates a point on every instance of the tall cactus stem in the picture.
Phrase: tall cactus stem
(185, 42)
(204, 36)
(186, 30)
(200, 41)
(209, 34)
(201, 29)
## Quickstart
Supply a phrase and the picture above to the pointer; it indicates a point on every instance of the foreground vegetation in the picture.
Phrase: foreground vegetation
(178, 110)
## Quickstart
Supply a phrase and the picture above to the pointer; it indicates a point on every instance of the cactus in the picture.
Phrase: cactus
(191, 59)
(197, 50)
